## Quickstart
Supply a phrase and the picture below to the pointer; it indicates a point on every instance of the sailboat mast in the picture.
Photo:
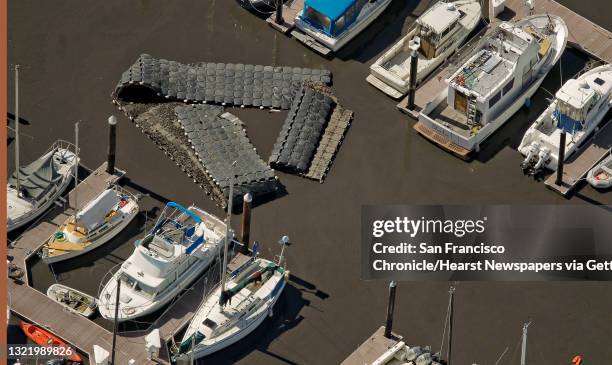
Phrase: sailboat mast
(17, 128)
(76, 173)
(227, 234)
(524, 345)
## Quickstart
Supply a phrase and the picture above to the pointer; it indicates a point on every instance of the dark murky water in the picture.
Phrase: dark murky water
(72, 54)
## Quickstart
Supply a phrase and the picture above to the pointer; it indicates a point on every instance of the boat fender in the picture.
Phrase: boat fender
(528, 103)
(271, 312)
(59, 236)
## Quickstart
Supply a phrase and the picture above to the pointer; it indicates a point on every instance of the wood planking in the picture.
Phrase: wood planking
(372, 348)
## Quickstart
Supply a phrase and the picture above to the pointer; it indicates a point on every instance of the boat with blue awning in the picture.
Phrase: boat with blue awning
(183, 243)
(332, 24)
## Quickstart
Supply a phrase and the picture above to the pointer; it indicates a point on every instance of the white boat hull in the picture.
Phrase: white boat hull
(397, 83)
(54, 287)
(336, 43)
(599, 178)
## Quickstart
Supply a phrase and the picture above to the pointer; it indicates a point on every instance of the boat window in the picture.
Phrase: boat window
(569, 111)
(317, 18)
(494, 99)
(350, 13)
(599, 81)
(508, 86)
(144, 289)
(340, 23)
(210, 323)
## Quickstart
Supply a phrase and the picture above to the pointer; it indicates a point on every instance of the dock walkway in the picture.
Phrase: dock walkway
(578, 165)
(583, 35)
(372, 348)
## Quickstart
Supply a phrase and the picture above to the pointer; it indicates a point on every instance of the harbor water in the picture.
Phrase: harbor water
(72, 54)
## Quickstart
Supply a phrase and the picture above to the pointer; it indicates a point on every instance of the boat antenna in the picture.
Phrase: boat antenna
(524, 345)
(17, 129)
(76, 173)
(227, 233)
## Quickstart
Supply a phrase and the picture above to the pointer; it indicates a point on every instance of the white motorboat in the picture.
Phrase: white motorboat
(600, 176)
(439, 32)
(578, 109)
(333, 24)
(180, 247)
(401, 353)
(94, 225)
(32, 189)
(72, 299)
(505, 70)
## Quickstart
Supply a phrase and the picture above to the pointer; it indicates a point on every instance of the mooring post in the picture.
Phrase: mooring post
(115, 327)
(390, 309)
(112, 144)
(561, 158)
(246, 222)
(279, 12)
(414, 46)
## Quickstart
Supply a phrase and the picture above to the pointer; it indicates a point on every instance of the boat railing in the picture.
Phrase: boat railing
(62, 144)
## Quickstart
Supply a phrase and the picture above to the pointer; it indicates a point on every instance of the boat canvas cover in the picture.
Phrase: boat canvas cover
(331, 9)
(37, 178)
(94, 212)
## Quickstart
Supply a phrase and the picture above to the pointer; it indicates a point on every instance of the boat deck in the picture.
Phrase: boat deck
(452, 119)
(372, 348)
(290, 10)
(583, 161)
(583, 35)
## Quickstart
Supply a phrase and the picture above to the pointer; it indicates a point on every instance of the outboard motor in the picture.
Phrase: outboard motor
(534, 147)
(542, 158)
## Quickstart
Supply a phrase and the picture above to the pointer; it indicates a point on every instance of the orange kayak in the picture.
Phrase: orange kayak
(45, 338)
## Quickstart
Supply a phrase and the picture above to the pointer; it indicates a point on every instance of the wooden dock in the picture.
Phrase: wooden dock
(583, 35)
(372, 348)
(290, 11)
(583, 161)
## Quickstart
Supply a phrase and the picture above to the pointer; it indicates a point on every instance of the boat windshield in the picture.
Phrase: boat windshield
(317, 19)
(137, 286)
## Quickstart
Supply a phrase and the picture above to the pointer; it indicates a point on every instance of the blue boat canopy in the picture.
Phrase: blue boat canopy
(184, 210)
(333, 9)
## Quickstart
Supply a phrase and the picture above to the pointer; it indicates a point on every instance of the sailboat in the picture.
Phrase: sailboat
(182, 244)
(92, 226)
(504, 71)
(578, 109)
(440, 31)
(237, 306)
(32, 189)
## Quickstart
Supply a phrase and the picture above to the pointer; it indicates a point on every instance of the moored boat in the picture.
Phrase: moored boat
(32, 189)
(45, 338)
(439, 31)
(505, 70)
(578, 109)
(233, 311)
(332, 24)
(95, 224)
(182, 244)
(600, 176)
(72, 299)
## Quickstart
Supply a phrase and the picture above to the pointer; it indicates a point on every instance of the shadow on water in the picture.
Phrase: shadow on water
(381, 34)
(511, 133)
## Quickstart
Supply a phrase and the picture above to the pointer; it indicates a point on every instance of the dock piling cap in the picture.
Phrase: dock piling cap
(248, 197)
(414, 44)
(112, 120)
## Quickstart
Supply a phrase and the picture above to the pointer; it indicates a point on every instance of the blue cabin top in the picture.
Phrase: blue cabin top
(332, 17)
